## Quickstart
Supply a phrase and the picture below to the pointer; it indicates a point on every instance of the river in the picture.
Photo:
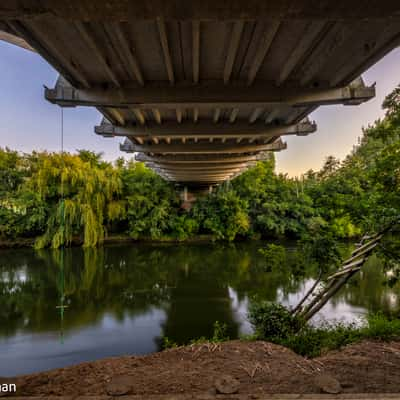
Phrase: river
(123, 299)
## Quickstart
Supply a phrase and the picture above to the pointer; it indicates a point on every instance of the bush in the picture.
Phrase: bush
(272, 321)
(167, 343)
(220, 332)
(381, 327)
(312, 341)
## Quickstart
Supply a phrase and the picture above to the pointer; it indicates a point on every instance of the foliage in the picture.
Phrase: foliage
(167, 343)
(312, 341)
(90, 191)
(219, 335)
(223, 214)
(342, 200)
(151, 202)
(272, 321)
(277, 205)
(220, 332)
(322, 248)
(275, 255)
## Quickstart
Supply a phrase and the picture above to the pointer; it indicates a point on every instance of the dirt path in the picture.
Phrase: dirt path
(257, 368)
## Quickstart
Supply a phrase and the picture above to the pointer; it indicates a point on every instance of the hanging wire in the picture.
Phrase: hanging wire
(62, 179)
(62, 307)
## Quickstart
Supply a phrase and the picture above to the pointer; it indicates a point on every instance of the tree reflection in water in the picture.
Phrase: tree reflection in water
(191, 286)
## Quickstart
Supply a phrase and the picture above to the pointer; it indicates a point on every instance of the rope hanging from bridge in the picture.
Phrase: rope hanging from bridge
(61, 307)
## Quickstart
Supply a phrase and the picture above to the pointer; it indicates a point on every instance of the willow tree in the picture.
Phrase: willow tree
(81, 198)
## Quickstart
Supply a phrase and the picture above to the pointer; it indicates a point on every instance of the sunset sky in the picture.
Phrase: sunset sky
(28, 122)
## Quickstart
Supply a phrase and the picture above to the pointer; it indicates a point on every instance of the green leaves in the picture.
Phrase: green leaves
(223, 214)
(343, 198)
(272, 321)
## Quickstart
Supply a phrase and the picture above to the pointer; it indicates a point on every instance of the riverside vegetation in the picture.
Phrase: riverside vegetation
(127, 199)
(274, 323)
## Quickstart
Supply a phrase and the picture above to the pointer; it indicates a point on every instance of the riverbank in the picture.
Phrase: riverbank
(117, 239)
(255, 367)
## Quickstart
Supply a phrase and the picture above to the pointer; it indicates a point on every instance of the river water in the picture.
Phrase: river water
(124, 299)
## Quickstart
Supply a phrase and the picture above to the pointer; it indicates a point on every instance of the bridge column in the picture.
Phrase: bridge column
(191, 194)
(185, 194)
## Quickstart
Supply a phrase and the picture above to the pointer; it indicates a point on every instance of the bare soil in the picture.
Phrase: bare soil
(259, 368)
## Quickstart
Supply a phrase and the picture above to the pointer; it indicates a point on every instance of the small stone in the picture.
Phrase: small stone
(227, 384)
(119, 385)
(328, 384)
(347, 385)
(212, 391)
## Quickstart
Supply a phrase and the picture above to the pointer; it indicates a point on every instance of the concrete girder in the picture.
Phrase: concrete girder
(15, 40)
(190, 178)
(208, 96)
(264, 45)
(194, 167)
(300, 52)
(267, 64)
(106, 10)
(205, 175)
(200, 148)
(67, 70)
(196, 50)
(201, 159)
(194, 171)
(191, 130)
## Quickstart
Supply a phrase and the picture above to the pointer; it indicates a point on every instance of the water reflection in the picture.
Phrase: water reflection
(124, 299)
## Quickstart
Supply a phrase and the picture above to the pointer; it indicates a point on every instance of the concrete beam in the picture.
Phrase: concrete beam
(162, 29)
(200, 148)
(200, 159)
(263, 47)
(88, 37)
(15, 40)
(194, 166)
(67, 71)
(236, 34)
(207, 96)
(197, 176)
(185, 169)
(191, 130)
(306, 42)
(104, 10)
(196, 50)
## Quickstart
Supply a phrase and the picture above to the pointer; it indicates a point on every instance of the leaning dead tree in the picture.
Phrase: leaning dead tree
(324, 289)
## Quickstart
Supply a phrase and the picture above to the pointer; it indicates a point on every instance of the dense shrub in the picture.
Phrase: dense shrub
(272, 321)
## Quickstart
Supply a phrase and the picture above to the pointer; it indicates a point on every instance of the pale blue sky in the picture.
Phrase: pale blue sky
(28, 122)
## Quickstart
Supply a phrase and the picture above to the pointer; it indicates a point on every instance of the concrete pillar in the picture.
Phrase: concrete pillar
(185, 194)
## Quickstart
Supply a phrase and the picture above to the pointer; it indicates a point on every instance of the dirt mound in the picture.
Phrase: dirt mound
(259, 367)
(366, 367)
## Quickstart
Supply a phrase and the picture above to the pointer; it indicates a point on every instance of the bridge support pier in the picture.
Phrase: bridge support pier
(189, 195)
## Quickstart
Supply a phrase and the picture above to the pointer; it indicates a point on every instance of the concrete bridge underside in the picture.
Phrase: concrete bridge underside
(203, 89)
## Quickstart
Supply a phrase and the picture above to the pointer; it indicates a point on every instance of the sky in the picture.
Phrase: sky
(28, 122)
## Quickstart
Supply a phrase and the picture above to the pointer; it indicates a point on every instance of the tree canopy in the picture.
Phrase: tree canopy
(57, 198)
